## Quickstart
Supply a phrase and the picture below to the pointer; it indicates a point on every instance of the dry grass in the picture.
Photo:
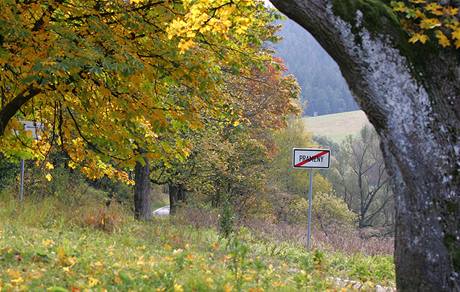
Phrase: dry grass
(87, 210)
(100, 217)
(345, 241)
(340, 240)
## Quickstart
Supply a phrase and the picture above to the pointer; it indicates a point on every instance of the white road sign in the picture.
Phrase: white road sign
(33, 127)
(311, 158)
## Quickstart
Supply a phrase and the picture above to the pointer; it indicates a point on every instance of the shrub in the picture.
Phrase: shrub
(328, 212)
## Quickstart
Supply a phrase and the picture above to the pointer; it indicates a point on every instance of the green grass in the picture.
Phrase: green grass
(57, 252)
(336, 126)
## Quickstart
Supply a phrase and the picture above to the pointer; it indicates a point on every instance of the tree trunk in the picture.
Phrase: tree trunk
(177, 195)
(142, 208)
(410, 94)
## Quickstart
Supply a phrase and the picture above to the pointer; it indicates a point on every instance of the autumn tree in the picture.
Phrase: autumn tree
(229, 155)
(116, 83)
(411, 94)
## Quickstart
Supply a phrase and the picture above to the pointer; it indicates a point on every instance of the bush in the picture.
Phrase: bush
(329, 212)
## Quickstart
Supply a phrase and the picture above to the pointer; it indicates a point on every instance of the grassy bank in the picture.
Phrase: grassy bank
(54, 245)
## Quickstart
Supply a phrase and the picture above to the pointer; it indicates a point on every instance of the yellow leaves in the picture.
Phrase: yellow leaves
(451, 11)
(49, 177)
(167, 247)
(278, 284)
(178, 288)
(13, 274)
(418, 37)
(63, 259)
(49, 165)
(399, 6)
(154, 82)
(185, 45)
(72, 165)
(214, 17)
(48, 242)
(456, 36)
(430, 23)
(422, 16)
(209, 281)
(435, 9)
(97, 266)
(93, 282)
(442, 39)
(117, 279)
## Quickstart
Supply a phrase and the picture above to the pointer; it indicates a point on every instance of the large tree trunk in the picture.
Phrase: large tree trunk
(142, 208)
(411, 95)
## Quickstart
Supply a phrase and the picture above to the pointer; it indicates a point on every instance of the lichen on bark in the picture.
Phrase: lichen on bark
(378, 18)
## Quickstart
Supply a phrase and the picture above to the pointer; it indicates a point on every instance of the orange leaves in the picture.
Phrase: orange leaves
(427, 20)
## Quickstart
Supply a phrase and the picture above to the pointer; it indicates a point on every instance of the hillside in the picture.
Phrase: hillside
(336, 126)
(324, 90)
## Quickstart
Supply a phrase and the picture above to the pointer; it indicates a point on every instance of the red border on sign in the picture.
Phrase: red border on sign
(311, 158)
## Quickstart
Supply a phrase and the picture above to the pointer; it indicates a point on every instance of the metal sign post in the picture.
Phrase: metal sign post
(310, 200)
(33, 128)
(310, 159)
(21, 183)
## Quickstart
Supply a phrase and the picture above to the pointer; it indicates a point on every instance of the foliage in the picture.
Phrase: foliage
(427, 19)
(329, 211)
(332, 212)
(289, 190)
(228, 157)
(113, 77)
(282, 174)
(61, 256)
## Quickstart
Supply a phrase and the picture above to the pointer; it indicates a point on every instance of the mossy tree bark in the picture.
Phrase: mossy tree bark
(411, 94)
(142, 207)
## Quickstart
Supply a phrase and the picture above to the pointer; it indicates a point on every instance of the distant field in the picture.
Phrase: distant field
(336, 126)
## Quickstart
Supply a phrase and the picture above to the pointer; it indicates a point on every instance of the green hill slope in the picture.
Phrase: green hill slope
(336, 126)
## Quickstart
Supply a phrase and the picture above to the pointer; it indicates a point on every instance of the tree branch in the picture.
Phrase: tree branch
(13, 106)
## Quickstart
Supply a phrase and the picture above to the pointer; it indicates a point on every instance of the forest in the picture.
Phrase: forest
(324, 91)
(110, 110)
